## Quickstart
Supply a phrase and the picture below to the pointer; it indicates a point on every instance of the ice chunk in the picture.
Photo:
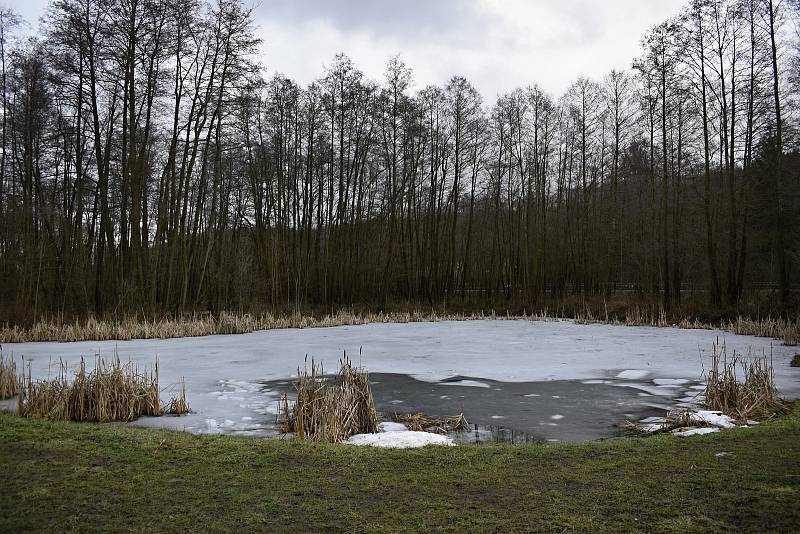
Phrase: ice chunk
(669, 381)
(633, 374)
(650, 427)
(468, 383)
(653, 420)
(713, 418)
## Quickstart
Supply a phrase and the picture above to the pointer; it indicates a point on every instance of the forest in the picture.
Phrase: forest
(150, 163)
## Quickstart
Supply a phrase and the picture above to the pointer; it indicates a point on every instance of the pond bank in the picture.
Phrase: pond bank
(101, 477)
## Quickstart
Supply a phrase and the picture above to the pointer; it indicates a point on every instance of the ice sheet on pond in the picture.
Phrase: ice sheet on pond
(564, 410)
(389, 426)
(224, 373)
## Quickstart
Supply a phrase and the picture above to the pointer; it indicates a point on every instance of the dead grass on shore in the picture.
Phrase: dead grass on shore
(112, 391)
(423, 423)
(9, 380)
(329, 409)
(226, 323)
(94, 329)
(742, 387)
(787, 330)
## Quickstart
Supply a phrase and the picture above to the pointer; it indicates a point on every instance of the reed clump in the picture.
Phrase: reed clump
(795, 360)
(9, 381)
(741, 386)
(177, 404)
(329, 409)
(423, 423)
(112, 391)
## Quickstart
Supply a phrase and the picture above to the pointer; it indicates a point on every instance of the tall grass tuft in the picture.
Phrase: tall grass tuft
(329, 409)
(112, 391)
(9, 381)
(177, 404)
(741, 387)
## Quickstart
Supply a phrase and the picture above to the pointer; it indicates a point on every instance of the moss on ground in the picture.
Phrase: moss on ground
(70, 476)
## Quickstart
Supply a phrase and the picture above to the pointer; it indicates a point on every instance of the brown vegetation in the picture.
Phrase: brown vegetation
(422, 422)
(93, 329)
(329, 409)
(742, 387)
(112, 391)
(225, 323)
(9, 381)
(787, 330)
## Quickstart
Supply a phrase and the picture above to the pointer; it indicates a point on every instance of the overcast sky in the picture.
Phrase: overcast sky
(497, 44)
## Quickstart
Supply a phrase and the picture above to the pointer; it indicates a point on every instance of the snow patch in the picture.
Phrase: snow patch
(694, 431)
(400, 440)
(713, 418)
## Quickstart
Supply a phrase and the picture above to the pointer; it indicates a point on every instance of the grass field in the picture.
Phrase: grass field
(90, 477)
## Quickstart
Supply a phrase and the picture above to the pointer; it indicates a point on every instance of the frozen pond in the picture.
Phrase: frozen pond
(555, 410)
(549, 379)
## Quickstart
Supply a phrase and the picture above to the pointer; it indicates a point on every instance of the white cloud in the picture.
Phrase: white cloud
(497, 44)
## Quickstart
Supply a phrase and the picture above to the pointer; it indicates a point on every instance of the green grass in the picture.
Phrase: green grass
(74, 476)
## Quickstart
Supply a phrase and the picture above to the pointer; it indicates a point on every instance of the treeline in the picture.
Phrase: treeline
(149, 164)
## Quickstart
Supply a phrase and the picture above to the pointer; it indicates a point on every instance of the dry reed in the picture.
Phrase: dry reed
(442, 425)
(9, 381)
(177, 404)
(93, 329)
(226, 323)
(741, 387)
(329, 409)
(112, 391)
